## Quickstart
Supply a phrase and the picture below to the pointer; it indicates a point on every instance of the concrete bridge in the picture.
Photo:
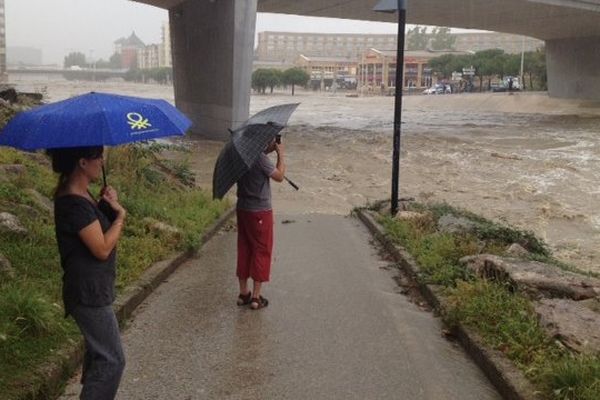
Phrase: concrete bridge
(212, 44)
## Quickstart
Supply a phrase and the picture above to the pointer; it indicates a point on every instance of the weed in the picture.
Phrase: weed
(574, 378)
(27, 313)
(505, 320)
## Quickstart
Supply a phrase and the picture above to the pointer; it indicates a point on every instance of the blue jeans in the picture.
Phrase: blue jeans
(104, 361)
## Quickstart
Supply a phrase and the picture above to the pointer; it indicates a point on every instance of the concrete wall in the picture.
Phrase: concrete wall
(574, 67)
(212, 46)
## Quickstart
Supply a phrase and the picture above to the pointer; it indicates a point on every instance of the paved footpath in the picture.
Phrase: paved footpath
(337, 328)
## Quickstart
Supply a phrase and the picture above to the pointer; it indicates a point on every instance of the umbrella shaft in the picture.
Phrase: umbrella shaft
(291, 183)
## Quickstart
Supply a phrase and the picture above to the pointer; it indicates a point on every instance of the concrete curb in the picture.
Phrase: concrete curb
(56, 375)
(508, 380)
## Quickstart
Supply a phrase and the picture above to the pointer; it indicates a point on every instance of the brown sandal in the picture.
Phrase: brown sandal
(244, 299)
(257, 304)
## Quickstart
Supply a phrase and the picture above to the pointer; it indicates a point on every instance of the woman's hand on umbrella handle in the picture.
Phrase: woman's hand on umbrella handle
(110, 193)
(110, 196)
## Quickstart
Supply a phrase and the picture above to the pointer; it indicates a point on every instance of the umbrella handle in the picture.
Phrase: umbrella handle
(291, 183)
(103, 176)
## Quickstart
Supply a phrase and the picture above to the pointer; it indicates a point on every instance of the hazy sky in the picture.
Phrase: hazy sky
(91, 26)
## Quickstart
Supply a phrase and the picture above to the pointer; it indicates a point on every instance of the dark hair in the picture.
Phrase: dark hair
(65, 160)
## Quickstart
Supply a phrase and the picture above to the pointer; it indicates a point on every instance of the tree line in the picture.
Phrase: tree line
(264, 78)
(489, 64)
(78, 59)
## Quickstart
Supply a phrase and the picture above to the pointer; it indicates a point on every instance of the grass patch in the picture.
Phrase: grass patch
(33, 332)
(505, 320)
(574, 378)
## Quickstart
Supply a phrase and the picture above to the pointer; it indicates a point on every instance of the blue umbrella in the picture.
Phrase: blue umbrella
(93, 119)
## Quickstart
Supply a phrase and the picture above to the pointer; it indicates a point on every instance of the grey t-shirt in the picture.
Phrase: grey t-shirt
(254, 188)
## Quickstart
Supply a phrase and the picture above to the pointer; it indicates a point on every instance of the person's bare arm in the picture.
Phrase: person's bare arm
(102, 244)
(279, 173)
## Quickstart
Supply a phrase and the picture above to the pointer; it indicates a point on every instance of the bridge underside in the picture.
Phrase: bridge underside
(219, 31)
(542, 19)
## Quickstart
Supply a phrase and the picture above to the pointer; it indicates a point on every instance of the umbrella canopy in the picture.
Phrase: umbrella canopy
(277, 115)
(246, 144)
(93, 119)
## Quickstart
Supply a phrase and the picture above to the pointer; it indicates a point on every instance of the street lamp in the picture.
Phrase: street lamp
(391, 6)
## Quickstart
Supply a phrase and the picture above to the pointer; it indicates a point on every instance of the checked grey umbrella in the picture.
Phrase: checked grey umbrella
(277, 114)
(246, 144)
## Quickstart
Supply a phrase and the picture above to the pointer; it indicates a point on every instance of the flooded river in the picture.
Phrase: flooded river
(524, 159)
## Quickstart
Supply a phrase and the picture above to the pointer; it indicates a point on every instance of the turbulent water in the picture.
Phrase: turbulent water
(526, 160)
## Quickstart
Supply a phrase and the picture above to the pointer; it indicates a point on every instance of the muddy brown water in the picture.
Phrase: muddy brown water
(527, 160)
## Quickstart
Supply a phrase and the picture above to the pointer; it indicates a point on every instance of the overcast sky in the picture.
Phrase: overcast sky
(59, 27)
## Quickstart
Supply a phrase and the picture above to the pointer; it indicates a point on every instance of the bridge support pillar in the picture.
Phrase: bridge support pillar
(573, 67)
(212, 43)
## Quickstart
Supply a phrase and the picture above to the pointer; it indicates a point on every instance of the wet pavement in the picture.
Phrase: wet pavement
(337, 328)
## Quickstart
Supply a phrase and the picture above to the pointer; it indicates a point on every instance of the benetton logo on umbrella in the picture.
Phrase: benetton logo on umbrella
(137, 121)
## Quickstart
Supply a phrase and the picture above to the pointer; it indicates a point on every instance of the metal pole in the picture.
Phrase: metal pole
(522, 62)
(398, 106)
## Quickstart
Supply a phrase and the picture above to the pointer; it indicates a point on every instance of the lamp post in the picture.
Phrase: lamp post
(391, 6)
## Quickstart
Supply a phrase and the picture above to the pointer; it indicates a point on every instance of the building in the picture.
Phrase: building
(165, 59)
(324, 71)
(23, 56)
(511, 44)
(3, 75)
(287, 46)
(377, 68)
(149, 56)
(128, 48)
(280, 65)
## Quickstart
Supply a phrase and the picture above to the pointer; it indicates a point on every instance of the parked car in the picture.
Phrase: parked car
(438, 88)
(498, 87)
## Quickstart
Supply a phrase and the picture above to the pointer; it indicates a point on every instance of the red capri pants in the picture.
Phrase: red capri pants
(255, 244)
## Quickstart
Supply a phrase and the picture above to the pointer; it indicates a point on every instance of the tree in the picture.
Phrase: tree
(261, 79)
(443, 65)
(75, 58)
(295, 76)
(442, 39)
(512, 64)
(115, 61)
(417, 38)
(535, 65)
(488, 63)
(101, 64)
(276, 78)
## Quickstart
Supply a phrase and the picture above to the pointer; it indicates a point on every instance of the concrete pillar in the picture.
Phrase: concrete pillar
(386, 71)
(574, 67)
(212, 44)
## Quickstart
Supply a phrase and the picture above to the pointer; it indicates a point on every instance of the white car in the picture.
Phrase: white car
(435, 89)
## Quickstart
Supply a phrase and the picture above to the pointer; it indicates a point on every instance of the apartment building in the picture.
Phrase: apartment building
(3, 74)
(285, 47)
